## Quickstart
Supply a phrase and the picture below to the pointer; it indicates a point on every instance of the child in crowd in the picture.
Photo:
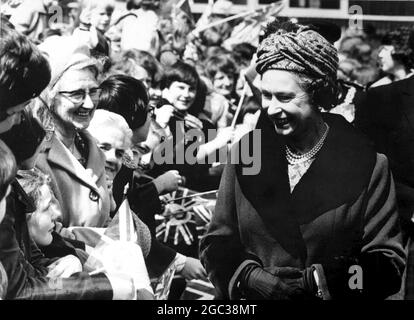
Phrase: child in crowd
(221, 74)
(178, 113)
(42, 223)
(122, 95)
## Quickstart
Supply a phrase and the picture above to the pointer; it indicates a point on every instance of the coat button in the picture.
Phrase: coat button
(94, 196)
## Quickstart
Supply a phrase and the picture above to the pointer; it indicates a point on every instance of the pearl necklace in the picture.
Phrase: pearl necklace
(294, 158)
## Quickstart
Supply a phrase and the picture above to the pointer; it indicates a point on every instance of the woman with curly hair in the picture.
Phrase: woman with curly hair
(396, 56)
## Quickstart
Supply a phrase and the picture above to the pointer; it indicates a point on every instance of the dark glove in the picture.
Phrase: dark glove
(258, 284)
(305, 284)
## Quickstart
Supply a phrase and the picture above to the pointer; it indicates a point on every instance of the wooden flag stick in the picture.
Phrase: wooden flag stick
(123, 219)
(179, 4)
(241, 101)
(217, 23)
(193, 196)
(95, 272)
(233, 17)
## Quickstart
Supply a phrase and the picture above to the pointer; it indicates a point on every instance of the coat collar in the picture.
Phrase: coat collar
(338, 175)
(408, 86)
(59, 155)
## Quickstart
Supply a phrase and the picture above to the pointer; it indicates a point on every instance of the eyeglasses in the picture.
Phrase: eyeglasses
(78, 96)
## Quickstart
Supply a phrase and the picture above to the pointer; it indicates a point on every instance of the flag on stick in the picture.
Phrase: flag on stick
(184, 8)
(119, 253)
(249, 29)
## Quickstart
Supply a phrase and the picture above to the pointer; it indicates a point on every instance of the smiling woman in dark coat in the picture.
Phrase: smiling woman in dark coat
(324, 200)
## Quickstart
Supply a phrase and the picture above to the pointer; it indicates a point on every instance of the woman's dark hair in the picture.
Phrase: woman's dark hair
(122, 63)
(8, 168)
(180, 72)
(403, 41)
(222, 64)
(130, 5)
(183, 72)
(24, 71)
(149, 4)
(127, 97)
(249, 106)
(199, 100)
(24, 138)
(243, 53)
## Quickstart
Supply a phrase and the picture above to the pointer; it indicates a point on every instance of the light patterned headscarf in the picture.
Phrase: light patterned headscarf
(304, 51)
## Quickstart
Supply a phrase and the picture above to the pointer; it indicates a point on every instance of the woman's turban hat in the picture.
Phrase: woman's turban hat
(303, 51)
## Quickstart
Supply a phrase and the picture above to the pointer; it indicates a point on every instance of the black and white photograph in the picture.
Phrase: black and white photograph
(224, 151)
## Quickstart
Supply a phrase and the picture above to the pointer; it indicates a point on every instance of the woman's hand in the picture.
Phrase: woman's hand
(224, 136)
(122, 286)
(64, 267)
(168, 182)
(193, 122)
(164, 114)
(279, 284)
(64, 232)
(193, 269)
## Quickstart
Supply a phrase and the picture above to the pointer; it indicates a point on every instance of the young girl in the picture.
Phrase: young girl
(178, 113)
(42, 222)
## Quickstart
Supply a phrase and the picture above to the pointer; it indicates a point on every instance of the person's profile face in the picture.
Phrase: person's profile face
(385, 60)
(41, 223)
(145, 148)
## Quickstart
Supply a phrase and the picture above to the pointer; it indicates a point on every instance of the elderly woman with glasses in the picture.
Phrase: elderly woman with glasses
(320, 219)
(71, 157)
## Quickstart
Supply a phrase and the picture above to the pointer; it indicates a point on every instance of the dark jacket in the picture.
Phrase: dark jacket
(145, 202)
(61, 247)
(386, 115)
(197, 174)
(26, 266)
(342, 210)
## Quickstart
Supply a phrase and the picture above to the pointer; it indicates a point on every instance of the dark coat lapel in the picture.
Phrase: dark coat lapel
(269, 191)
(338, 175)
(407, 100)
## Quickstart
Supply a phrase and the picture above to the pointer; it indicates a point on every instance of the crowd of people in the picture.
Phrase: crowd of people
(102, 107)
